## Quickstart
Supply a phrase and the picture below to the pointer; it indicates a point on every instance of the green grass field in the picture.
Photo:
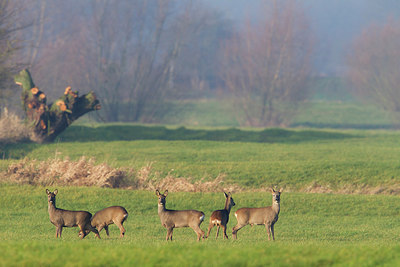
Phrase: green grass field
(294, 159)
(328, 108)
(313, 230)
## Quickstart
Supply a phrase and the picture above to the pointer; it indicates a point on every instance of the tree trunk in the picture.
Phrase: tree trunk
(48, 121)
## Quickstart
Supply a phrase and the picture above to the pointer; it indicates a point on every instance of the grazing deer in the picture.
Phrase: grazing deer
(68, 218)
(171, 219)
(220, 218)
(267, 216)
(105, 217)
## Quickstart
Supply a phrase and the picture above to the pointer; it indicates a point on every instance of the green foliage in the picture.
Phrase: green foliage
(312, 230)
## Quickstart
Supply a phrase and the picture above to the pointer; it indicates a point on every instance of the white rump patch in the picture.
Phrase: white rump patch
(236, 215)
(202, 217)
(216, 221)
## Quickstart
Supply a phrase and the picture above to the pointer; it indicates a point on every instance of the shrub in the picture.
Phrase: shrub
(13, 129)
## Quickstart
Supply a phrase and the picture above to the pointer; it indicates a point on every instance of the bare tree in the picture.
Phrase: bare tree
(266, 66)
(374, 64)
(151, 61)
(133, 56)
(106, 47)
(9, 44)
(196, 68)
(53, 47)
(49, 120)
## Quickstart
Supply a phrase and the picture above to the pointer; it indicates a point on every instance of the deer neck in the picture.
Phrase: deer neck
(276, 207)
(52, 208)
(161, 209)
(227, 205)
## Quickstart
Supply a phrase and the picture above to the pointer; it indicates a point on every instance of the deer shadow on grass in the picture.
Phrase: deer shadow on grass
(140, 132)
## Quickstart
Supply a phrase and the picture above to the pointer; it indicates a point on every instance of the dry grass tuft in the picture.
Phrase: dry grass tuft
(85, 173)
(183, 184)
(354, 189)
(143, 181)
(12, 128)
(66, 172)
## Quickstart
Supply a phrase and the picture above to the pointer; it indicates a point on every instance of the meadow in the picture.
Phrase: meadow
(313, 230)
(297, 159)
(355, 222)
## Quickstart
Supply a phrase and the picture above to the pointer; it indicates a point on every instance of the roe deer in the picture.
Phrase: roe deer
(267, 216)
(171, 219)
(220, 218)
(68, 218)
(105, 217)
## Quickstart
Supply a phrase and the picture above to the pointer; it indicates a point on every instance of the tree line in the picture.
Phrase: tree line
(138, 55)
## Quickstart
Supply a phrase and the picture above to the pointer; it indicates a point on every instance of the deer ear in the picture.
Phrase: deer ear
(226, 195)
(55, 192)
(281, 190)
(272, 190)
(47, 191)
(166, 193)
(157, 193)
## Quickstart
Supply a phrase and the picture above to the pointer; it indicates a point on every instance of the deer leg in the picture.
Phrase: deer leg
(89, 228)
(100, 227)
(272, 232)
(236, 229)
(58, 231)
(121, 228)
(217, 232)
(94, 230)
(224, 228)
(268, 227)
(106, 228)
(82, 232)
(169, 233)
(199, 232)
(210, 226)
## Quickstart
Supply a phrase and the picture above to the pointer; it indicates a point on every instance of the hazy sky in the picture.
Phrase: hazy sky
(335, 23)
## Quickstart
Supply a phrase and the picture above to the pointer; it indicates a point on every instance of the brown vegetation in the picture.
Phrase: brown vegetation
(12, 128)
(358, 189)
(183, 184)
(86, 173)
(65, 172)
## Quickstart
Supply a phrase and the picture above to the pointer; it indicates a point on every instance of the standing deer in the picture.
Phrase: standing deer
(171, 219)
(267, 216)
(220, 218)
(68, 218)
(105, 217)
